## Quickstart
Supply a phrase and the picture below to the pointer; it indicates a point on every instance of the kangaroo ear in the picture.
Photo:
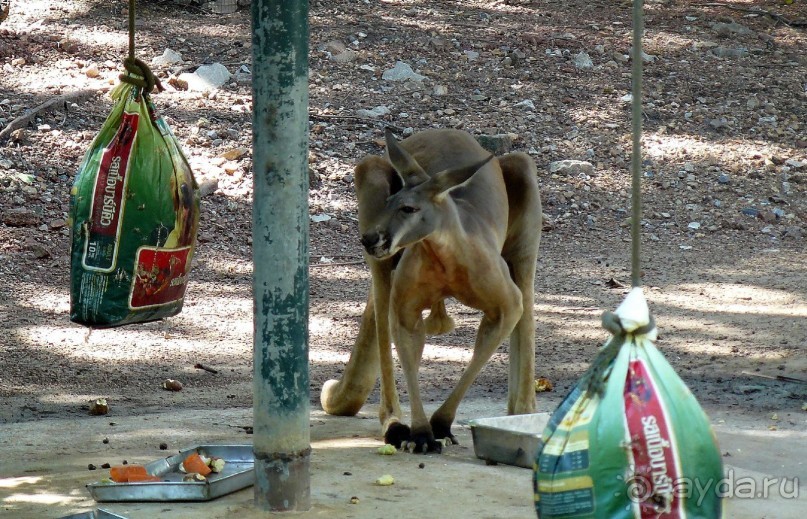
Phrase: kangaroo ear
(407, 167)
(448, 179)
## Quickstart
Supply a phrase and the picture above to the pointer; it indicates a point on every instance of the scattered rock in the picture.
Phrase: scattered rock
(208, 186)
(207, 77)
(322, 217)
(68, 46)
(767, 216)
(583, 61)
(498, 144)
(372, 113)
(646, 58)
(731, 29)
(748, 389)
(799, 178)
(527, 104)
(402, 72)
(571, 167)
(620, 57)
(92, 71)
(793, 233)
(169, 57)
(235, 153)
(221, 6)
(728, 52)
(338, 52)
(438, 42)
(38, 250)
(768, 120)
(734, 225)
(20, 217)
(19, 135)
(231, 167)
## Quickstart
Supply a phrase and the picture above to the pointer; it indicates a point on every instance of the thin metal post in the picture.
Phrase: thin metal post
(280, 254)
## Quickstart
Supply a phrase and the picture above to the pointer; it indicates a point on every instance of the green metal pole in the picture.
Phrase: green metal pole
(280, 253)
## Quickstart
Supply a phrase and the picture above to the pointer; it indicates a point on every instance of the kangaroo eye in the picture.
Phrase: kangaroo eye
(408, 209)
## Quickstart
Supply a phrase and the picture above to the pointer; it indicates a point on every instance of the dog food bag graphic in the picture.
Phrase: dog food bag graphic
(134, 211)
(630, 440)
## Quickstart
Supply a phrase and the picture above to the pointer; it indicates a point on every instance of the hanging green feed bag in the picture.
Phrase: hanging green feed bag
(630, 440)
(134, 215)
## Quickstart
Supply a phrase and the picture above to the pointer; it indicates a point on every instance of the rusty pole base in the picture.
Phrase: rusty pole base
(287, 480)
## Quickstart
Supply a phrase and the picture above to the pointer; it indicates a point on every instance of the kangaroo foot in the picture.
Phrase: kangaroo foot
(442, 431)
(397, 434)
(423, 443)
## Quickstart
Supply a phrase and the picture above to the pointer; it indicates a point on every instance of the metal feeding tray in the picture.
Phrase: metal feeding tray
(238, 473)
(99, 513)
(512, 440)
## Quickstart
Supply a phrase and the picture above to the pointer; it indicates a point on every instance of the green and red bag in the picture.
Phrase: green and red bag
(134, 215)
(630, 441)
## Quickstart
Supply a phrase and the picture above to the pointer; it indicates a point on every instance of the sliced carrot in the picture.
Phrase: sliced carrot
(125, 473)
(139, 478)
(195, 463)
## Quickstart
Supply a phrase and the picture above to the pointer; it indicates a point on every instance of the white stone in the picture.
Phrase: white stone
(169, 57)
(207, 77)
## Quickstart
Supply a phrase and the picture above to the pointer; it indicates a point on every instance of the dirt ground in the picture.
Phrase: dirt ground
(725, 212)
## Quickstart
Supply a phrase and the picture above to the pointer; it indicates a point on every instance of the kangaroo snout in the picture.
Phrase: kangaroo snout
(375, 243)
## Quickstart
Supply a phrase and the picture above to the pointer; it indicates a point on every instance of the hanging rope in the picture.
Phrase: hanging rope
(138, 73)
(636, 156)
(593, 380)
